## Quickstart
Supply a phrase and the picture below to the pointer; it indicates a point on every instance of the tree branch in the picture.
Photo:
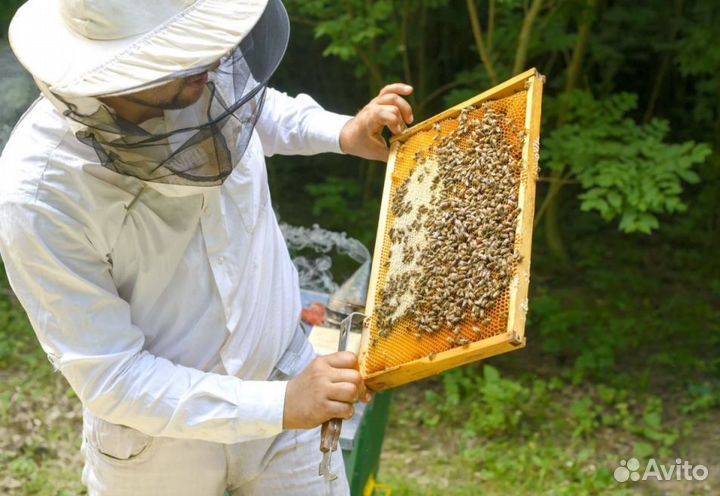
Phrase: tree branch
(436, 93)
(550, 179)
(550, 196)
(374, 70)
(550, 204)
(664, 65)
(482, 49)
(422, 54)
(524, 38)
(491, 25)
(304, 21)
(579, 52)
(552, 10)
(405, 52)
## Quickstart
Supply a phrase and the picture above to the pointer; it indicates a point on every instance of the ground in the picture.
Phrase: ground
(40, 421)
(439, 461)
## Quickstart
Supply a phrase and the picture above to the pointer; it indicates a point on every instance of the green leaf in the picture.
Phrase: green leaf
(689, 176)
(615, 199)
(491, 374)
(643, 450)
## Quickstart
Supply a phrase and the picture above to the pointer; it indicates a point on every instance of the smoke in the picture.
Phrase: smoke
(315, 274)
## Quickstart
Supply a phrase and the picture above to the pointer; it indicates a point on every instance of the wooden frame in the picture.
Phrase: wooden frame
(514, 338)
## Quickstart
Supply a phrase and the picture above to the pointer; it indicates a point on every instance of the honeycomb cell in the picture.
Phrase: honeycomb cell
(402, 345)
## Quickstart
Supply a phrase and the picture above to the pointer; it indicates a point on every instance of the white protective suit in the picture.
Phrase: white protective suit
(166, 314)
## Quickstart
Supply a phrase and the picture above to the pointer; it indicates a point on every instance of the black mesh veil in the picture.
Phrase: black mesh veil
(198, 145)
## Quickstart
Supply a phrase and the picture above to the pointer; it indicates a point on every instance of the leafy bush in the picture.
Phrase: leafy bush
(626, 169)
(340, 202)
(586, 331)
(487, 404)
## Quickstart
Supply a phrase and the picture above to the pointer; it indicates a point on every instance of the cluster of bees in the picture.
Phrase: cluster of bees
(453, 250)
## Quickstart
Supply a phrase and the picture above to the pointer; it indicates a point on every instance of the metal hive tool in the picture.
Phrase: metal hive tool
(403, 355)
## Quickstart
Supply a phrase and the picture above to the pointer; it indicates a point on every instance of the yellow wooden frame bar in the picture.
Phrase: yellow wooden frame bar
(514, 338)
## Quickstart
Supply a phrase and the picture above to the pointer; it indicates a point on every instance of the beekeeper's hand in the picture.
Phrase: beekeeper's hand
(326, 389)
(362, 135)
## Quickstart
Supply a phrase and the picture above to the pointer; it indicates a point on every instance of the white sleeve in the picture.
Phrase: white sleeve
(298, 126)
(86, 329)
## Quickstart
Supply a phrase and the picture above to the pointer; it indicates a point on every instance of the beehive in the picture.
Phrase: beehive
(403, 355)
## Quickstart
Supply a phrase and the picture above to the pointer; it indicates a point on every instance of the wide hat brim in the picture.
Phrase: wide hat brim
(73, 65)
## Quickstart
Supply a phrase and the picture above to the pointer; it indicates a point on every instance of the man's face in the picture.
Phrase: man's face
(175, 94)
(145, 104)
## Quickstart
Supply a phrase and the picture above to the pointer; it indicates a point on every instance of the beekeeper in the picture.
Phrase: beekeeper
(137, 231)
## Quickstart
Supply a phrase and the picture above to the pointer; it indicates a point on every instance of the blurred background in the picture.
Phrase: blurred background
(624, 331)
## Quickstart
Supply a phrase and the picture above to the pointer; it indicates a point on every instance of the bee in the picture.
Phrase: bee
(463, 236)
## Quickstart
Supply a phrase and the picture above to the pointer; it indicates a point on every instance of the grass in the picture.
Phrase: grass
(566, 439)
(468, 432)
(40, 422)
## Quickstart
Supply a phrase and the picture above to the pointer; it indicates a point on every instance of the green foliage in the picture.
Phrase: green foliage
(590, 331)
(39, 414)
(26, 470)
(703, 397)
(502, 404)
(359, 25)
(17, 91)
(490, 406)
(7, 10)
(630, 170)
(368, 34)
(340, 200)
(697, 60)
(556, 431)
(17, 340)
(487, 404)
(626, 169)
(498, 405)
(627, 297)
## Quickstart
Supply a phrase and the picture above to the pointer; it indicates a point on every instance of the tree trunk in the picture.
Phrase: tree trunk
(553, 234)
(524, 39)
(673, 21)
(480, 43)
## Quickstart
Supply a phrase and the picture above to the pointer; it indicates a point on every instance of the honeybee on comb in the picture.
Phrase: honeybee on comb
(452, 266)
(449, 283)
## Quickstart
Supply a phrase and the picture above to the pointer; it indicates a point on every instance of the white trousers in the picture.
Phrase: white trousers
(120, 461)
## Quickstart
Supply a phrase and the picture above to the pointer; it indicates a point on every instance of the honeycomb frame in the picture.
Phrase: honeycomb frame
(401, 358)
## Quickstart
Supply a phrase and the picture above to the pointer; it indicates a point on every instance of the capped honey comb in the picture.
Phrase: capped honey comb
(395, 355)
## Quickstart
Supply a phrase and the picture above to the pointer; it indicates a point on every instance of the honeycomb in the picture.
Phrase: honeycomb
(403, 345)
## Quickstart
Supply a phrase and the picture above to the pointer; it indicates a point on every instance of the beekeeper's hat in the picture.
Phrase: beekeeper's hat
(103, 47)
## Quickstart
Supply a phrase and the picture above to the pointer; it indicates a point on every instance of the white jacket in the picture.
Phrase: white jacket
(165, 314)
